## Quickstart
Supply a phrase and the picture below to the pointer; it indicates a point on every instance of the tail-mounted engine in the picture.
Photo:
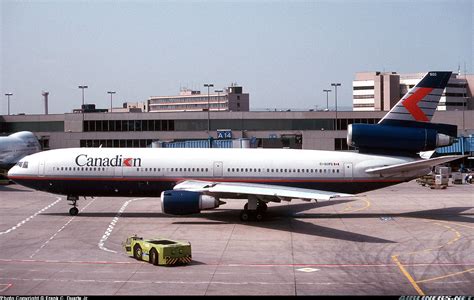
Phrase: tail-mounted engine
(408, 139)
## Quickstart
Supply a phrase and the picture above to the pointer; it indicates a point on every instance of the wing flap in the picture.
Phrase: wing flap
(268, 190)
(413, 166)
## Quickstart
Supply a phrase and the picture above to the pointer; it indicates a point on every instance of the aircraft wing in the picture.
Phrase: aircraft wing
(266, 192)
(414, 165)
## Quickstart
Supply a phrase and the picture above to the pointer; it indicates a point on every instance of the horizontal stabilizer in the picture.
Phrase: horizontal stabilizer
(413, 166)
(242, 188)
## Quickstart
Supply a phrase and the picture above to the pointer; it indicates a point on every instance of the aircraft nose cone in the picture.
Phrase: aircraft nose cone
(12, 172)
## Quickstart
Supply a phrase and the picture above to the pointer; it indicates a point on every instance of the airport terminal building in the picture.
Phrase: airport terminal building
(323, 130)
(195, 116)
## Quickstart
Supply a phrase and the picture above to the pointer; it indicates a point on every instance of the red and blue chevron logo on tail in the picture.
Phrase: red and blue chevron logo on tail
(411, 104)
(420, 103)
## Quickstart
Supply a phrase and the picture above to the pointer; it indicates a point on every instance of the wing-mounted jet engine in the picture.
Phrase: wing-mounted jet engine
(180, 202)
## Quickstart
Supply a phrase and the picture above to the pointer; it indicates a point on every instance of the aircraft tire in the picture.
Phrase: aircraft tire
(259, 216)
(74, 211)
(245, 215)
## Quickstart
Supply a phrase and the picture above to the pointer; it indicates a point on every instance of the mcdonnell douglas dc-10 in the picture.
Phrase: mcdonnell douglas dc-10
(191, 180)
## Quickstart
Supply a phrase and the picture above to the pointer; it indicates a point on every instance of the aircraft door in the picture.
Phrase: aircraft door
(41, 167)
(348, 170)
(217, 170)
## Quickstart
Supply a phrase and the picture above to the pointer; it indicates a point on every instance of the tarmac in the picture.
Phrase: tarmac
(401, 240)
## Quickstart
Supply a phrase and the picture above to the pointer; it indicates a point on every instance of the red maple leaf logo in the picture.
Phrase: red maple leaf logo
(127, 162)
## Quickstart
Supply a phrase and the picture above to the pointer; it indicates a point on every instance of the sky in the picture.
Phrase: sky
(283, 53)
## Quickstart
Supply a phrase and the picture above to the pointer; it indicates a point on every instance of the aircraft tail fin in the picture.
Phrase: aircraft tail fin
(420, 103)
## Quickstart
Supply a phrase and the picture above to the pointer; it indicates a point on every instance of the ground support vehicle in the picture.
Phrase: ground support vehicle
(158, 251)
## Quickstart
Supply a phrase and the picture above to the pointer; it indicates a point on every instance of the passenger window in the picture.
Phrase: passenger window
(25, 164)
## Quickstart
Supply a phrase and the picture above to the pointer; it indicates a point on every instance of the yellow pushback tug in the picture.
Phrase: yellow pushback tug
(159, 251)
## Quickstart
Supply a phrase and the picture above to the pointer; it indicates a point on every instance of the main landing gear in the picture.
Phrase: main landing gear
(74, 210)
(254, 210)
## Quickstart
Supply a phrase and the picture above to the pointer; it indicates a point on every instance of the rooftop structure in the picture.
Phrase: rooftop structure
(229, 99)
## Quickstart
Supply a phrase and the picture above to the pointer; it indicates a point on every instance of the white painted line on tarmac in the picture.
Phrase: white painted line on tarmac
(307, 270)
(30, 217)
(4, 287)
(60, 229)
(112, 224)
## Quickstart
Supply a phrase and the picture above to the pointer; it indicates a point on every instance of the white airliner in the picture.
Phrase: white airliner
(16, 146)
(191, 180)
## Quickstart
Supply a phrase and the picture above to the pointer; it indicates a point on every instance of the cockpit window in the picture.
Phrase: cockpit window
(22, 164)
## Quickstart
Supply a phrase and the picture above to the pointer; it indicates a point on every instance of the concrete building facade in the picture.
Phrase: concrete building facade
(230, 99)
(380, 91)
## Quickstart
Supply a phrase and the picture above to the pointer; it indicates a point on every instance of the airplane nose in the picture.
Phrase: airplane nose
(12, 172)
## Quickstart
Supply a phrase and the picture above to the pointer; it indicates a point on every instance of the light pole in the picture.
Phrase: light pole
(218, 96)
(208, 85)
(111, 93)
(83, 87)
(335, 85)
(8, 99)
(45, 94)
(327, 99)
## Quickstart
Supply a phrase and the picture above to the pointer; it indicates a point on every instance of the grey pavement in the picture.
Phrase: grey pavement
(401, 240)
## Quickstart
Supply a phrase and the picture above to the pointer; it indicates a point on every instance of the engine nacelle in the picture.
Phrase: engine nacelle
(176, 202)
(368, 136)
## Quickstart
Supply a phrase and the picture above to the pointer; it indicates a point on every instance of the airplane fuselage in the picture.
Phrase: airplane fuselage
(124, 172)
(16, 146)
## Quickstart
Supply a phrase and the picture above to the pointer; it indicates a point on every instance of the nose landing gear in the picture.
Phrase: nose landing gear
(74, 210)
